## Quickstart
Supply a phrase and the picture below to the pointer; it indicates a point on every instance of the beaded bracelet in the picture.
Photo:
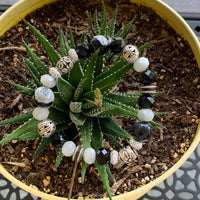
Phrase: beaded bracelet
(44, 97)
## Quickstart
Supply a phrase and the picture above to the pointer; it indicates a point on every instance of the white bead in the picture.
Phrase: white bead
(141, 64)
(68, 148)
(145, 115)
(114, 155)
(48, 81)
(40, 113)
(44, 95)
(89, 155)
(54, 72)
(130, 53)
(73, 55)
(135, 144)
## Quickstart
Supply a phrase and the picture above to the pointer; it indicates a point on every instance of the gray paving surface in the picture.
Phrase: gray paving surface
(184, 184)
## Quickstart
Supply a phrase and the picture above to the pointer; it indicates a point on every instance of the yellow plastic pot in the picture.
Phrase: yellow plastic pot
(14, 14)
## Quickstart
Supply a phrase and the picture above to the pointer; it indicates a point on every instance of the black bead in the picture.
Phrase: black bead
(146, 77)
(83, 50)
(58, 139)
(142, 131)
(103, 156)
(41, 104)
(117, 45)
(146, 101)
(99, 43)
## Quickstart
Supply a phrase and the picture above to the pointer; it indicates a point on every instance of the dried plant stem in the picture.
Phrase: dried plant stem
(72, 180)
(13, 48)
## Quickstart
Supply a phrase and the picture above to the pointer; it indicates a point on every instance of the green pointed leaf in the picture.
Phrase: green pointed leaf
(124, 98)
(104, 177)
(20, 118)
(29, 136)
(83, 170)
(75, 74)
(112, 25)
(100, 64)
(59, 158)
(50, 51)
(115, 67)
(31, 68)
(144, 46)
(31, 84)
(109, 173)
(57, 116)
(43, 144)
(126, 29)
(26, 127)
(92, 32)
(85, 84)
(65, 89)
(110, 127)
(112, 140)
(120, 110)
(104, 20)
(86, 133)
(83, 38)
(39, 65)
(59, 104)
(154, 124)
(95, 111)
(96, 23)
(161, 113)
(71, 37)
(25, 90)
(77, 118)
(112, 79)
(96, 135)
(33, 72)
(63, 50)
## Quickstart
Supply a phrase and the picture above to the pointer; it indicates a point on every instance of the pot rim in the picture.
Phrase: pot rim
(24, 7)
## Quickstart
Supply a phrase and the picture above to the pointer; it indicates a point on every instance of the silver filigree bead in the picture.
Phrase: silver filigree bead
(130, 53)
(64, 65)
(46, 128)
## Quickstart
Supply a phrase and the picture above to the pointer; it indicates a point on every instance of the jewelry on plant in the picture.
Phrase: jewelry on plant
(46, 128)
(130, 53)
(65, 64)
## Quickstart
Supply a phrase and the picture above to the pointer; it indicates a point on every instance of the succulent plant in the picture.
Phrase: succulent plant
(83, 104)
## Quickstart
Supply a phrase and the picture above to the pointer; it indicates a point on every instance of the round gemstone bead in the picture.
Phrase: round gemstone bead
(117, 45)
(44, 96)
(73, 55)
(48, 81)
(40, 113)
(64, 65)
(89, 155)
(114, 157)
(103, 156)
(101, 43)
(146, 101)
(58, 139)
(146, 77)
(142, 131)
(46, 128)
(54, 72)
(141, 64)
(145, 115)
(68, 148)
(130, 53)
(83, 51)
